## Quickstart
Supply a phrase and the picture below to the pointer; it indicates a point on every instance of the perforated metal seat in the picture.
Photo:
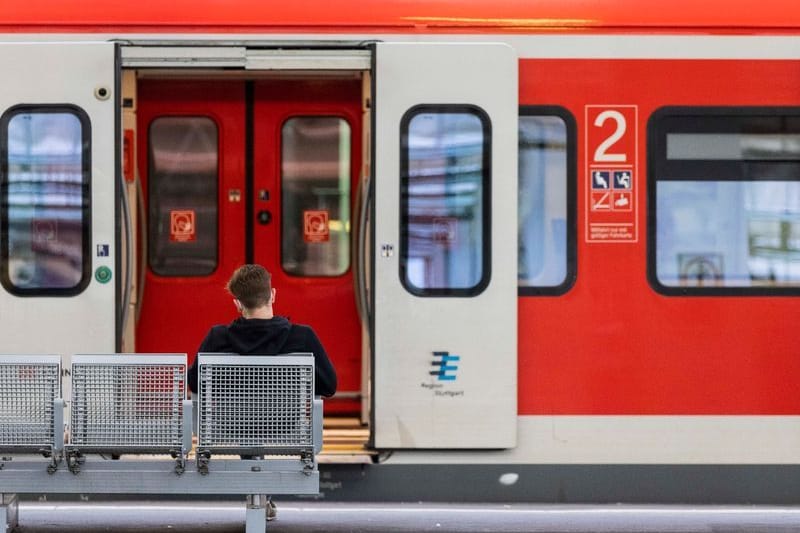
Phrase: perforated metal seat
(129, 404)
(31, 417)
(256, 405)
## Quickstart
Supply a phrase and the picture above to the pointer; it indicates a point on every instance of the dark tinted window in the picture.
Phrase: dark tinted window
(445, 190)
(727, 200)
(546, 200)
(45, 200)
(182, 196)
(315, 196)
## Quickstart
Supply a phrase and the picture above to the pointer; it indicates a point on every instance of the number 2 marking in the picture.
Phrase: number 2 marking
(600, 154)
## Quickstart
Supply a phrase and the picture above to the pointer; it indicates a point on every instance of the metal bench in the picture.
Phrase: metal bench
(132, 407)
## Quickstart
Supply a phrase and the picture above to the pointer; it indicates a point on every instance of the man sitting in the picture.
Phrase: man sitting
(259, 332)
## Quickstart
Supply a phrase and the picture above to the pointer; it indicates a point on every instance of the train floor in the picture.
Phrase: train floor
(317, 516)
(344, 441)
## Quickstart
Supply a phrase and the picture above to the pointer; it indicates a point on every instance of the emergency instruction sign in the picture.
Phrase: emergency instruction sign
(316, 225)
(182, 227)
(611, 171)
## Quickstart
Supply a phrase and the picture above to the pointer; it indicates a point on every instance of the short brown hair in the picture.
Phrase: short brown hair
(251, 285)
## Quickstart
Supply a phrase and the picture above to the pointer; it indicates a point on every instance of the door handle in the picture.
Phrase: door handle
(264, 217)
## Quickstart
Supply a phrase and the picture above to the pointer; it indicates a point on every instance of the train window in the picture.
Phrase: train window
(315, 196)
(445, 197)
(182, 196)
(45, 179)
(725, 201)
(547, 181)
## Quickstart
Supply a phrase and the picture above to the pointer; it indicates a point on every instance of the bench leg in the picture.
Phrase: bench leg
(256, 515)
(9, 512)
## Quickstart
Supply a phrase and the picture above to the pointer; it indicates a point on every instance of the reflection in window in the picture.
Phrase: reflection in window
(182, 196)
(46, 200)
(730, 234)
(315, 196)
(728, 201)
(444, 247)
(542, 201)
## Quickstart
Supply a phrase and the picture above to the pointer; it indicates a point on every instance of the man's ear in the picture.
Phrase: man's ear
(274, 292)
(238, 305)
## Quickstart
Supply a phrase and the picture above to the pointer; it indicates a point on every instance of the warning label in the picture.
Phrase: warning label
(315, 226)
(610, 232)
(182, 227)
(611, 169)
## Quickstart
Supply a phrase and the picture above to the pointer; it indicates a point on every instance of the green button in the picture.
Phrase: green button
(102, 274)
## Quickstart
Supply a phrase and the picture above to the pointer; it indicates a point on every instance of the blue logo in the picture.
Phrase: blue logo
(447, 370)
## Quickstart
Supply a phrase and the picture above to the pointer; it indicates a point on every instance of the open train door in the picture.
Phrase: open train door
(57, 198)
(445, 246)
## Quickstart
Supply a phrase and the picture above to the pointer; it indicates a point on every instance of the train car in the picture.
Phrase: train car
(552, 248)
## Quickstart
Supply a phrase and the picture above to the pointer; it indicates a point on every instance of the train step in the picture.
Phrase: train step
(345, 441)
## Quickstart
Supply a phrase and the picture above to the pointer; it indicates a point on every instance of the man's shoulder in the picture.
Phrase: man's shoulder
(301, 334)
(218, 329)
(300, 330)
(216, 333)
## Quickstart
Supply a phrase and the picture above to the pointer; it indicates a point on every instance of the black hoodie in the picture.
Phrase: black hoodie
(268, 336)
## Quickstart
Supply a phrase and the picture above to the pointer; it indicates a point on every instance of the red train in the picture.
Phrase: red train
(553, 250)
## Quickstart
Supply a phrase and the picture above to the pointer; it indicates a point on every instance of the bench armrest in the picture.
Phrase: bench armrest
(188, 425)
(317, 424)
(58, 424)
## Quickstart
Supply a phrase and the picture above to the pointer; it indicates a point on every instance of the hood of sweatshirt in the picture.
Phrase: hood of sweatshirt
(255, 336)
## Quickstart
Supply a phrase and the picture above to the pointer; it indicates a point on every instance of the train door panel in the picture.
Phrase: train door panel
(302, 155)
(445, 247)
(57, 198)
(306, 161)
(191, 159)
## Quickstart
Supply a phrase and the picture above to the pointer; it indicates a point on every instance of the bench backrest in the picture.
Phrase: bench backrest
(30, 392)
(128, 404)
(256, 405)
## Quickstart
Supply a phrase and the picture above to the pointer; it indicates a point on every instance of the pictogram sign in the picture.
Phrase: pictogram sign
(182, 226)
(611, 140)
(315, 226)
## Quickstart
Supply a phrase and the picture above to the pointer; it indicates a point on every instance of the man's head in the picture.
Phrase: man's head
(251, 285)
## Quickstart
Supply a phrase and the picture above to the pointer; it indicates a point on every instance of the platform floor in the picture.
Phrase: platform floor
(316, 516)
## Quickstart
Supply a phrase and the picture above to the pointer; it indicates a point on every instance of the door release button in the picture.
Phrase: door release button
(264, 217)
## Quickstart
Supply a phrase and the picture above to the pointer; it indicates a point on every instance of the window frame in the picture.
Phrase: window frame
(572, 199)
(657, 160)
(486, 183)
(149, 193)
(283, 122)
(86, 208)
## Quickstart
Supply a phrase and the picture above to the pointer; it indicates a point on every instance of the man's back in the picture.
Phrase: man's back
(269, 336)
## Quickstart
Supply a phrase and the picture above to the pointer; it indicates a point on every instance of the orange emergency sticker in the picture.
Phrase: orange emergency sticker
(182, 225)
(315, 226)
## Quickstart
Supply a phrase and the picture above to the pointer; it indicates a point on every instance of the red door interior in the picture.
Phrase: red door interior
(307, 156)
(191, 163)
(193, 146)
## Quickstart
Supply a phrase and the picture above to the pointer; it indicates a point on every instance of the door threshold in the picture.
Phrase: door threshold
(344, 440)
